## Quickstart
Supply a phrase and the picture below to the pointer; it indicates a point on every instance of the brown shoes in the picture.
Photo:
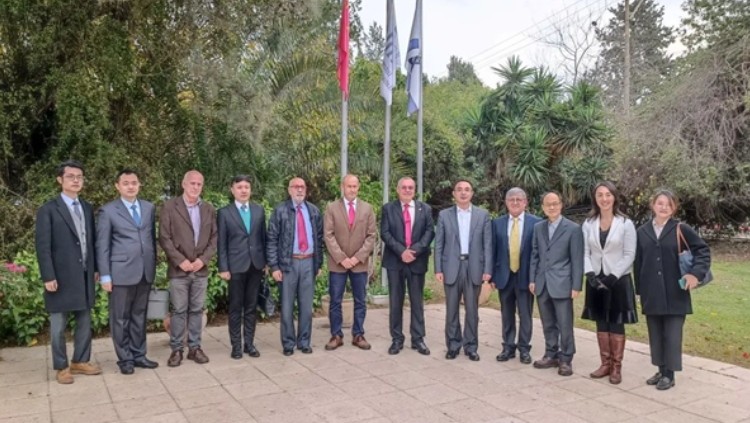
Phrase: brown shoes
(64, 377)
(565, 369)
(85, 369)
(197, 355)
(605, 354)
(175, 359)
(546, 363)
(335, 342)
(360, 342)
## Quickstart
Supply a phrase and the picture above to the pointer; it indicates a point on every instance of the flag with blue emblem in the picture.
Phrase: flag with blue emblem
(414, 63)
(392, 56)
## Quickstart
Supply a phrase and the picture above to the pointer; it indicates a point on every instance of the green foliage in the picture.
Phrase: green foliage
(712, 23)
(216, 292)
(321, 286)
(22, 315)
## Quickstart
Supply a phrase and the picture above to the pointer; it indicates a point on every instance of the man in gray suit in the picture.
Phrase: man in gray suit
(463, 261)
(556, 277)
(126, 254)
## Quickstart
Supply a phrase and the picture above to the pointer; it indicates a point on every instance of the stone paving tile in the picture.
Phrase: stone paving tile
(676, 416)
(145, 407)
(717, 410)
(436, 394)
(295, 415)
(23, 378)
(219, 413)
(593, 410)
(200, 397)
(266, 405)
(633, 404)
(237, 374)
(312, 397)
(86, 397)
(30, 390)
(681, 394)
(406, 380)
(174, 417)
(366, 388)
(512, 402)
(29, 418)
(90, 414)
(122, 391)
(24, 406)
(247, 390)
(188, 381)
(394, 403)
(431, 415)
(470, 410)
(551, 414)
(345, 412)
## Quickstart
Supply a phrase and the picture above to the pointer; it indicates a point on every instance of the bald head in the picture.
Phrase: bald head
(192, 185)
(350, 187)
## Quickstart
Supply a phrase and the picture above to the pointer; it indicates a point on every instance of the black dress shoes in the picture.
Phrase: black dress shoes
(525, 358)
(506, 355)
(145, 363)
(473, 356)
(653, 380)
(252, 351)
(236, 353)
(288, 351)
(450, 355)
(395, 348)
(306, 350)
(127, 369)
(664, 383)
(421, 347)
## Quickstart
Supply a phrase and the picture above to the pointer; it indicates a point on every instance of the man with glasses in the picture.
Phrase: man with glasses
(513, 237)
(294, 251)
(65, 251)
(407, 231)
(556, 279)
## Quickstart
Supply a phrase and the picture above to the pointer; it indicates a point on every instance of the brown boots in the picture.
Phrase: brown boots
(611, 351)
(617, 348)
(605, 354)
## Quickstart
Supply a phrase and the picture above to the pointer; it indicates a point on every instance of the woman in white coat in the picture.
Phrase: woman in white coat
(609, 252)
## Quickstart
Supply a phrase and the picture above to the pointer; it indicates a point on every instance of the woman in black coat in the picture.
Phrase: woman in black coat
(657, 274)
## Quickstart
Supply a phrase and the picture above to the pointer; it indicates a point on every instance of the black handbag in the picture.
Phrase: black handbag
(266, 303)
(686, 260)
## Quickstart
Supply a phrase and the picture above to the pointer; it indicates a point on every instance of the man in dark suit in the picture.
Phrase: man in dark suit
(407, 231)
(242, 260)
(187, 233)
(513, 235)
(463, 261)
(294, 250)
(350, 233)
(126, 254)
(65, 252)
(556, 279)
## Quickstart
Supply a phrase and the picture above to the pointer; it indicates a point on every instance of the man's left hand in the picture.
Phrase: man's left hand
(197, 265)
(574, 293)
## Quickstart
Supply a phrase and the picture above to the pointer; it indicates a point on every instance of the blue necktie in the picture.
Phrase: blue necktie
(136, 216)
(245, 217)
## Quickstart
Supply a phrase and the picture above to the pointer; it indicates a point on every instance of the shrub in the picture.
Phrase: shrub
(22, 313)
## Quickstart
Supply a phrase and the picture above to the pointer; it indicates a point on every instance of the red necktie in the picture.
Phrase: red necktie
(407, 226)
(351, 214)
(301, 232)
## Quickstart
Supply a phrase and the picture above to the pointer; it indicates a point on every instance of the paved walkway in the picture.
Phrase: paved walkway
(349, 385)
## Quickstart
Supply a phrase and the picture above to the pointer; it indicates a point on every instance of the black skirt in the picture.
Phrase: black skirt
(616, 305)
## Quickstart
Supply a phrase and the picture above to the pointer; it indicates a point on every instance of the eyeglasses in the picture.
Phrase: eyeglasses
(555, 204)
(297, 186)
(73, 177)
(515, 200)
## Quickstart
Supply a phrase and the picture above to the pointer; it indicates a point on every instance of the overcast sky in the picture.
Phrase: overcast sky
(487, 32)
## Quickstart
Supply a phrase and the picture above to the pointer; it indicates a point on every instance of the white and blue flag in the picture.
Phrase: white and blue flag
(392, 56)
(414, 63)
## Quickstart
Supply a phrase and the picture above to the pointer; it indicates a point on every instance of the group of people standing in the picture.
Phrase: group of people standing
(522, 255)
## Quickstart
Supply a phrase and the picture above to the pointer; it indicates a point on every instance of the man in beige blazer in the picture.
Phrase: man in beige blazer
(187, 233)
(350, 233)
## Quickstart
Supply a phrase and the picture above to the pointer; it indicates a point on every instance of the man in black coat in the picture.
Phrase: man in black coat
(407, 231)
(65, 252)
(242, 259)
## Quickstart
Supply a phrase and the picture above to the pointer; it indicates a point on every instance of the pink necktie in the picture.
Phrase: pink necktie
(351, 214)
(301, 232)
(407, 226)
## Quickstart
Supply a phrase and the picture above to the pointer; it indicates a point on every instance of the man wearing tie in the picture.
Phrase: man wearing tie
(556, 279)
(407, 231)
(294, 249)
(187, 234)
(126, 253)
(65, 252)
(242, 259)
(513, 234)
(463, 261)
(350, 233)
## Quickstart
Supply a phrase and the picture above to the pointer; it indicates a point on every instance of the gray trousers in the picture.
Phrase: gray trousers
(557, 324)
(187, 296)
(127, 320)
(516, 299)
(665, 340)
(462, 286)
(298, 285)
(81, 338)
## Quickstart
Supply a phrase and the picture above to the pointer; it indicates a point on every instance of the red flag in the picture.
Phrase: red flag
(342, 69)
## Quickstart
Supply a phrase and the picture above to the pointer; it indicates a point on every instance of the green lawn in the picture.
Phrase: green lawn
(719, 327)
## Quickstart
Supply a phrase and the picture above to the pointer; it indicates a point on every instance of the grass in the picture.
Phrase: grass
(719, 327)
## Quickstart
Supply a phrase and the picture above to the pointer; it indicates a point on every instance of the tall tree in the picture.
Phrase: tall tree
(373, 43)
(712, 22)
(462, 71)
(650, 62)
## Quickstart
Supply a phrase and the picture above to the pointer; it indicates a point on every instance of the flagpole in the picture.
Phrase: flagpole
(420, 145)
(344, 135)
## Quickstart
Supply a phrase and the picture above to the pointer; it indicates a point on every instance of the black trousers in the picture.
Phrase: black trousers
(127, 320)
(665, 340)
(243, 302)
(398, 282)
(516, 299)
